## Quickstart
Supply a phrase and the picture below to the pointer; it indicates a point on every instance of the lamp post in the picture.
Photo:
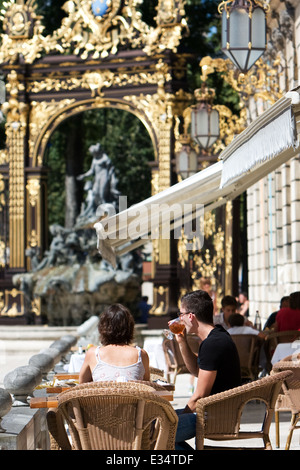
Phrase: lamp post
(204, 119)
(186, 158)
(202, 126)
(243, 31)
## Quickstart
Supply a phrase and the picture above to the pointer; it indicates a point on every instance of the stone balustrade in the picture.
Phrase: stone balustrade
(5, 405)
(16, 417)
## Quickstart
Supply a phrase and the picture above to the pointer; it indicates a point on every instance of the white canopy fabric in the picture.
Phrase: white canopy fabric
(268, 142)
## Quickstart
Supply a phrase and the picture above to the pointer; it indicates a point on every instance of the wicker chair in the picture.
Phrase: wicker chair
(278, 337)
(289, 398)
(219, 415)
(115, 416)
(174, 360)
(248, 347)
(156, 374)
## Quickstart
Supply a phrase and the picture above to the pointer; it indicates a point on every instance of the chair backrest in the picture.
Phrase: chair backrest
(172, 353)
(283, 337)
(276, 337)
(156, 373)
(291, 385)
(248, 347)
(118, 416)
(173, 356)
(219, 415)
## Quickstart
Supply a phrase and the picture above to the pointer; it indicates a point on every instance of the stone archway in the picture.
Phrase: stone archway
(92, 61)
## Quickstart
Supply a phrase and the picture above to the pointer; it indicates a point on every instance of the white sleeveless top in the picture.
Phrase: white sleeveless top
(103, 371)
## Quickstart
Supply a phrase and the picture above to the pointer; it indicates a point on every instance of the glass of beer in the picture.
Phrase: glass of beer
(176, 327)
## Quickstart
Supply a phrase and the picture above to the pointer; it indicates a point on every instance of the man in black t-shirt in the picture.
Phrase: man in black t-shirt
(217, 366)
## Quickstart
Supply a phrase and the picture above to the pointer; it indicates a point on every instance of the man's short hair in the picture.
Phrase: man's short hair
(295, 300)
(200, 304)
(228, 300)
(236, 319)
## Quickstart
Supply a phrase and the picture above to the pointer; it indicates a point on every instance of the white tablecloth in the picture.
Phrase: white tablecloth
(76, 362)
(153, 346)
(285, 349)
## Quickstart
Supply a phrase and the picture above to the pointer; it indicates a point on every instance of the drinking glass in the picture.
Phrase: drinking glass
(176, 326)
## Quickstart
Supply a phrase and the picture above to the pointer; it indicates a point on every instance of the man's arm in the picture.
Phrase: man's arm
(206, 379)
(189, 357)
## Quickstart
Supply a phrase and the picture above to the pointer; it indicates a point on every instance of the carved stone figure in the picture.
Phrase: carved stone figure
(104, 187)
(72, 279)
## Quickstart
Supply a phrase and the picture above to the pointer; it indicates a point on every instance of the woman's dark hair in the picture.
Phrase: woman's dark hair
(295, 300)
(200, 304)
(116, 325)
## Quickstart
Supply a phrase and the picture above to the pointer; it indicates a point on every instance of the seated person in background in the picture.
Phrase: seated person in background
(237, 327)
(229, 306)
(284, 302)
(243, 307)
(115, 359)
(144, 309)
(288, 318)
(205, 284)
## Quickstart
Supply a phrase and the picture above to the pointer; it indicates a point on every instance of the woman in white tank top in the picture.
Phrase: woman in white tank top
(116, 358)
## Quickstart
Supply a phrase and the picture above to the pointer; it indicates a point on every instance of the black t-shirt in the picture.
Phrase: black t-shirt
(218, 352)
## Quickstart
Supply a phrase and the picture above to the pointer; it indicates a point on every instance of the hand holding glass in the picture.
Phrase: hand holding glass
(176, 327)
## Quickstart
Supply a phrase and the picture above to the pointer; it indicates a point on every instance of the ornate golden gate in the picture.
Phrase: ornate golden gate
(103, 55)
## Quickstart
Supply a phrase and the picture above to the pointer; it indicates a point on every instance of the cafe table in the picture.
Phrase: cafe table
(50, 400)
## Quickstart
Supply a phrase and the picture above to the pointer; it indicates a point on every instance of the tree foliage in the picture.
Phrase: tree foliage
(124, 139)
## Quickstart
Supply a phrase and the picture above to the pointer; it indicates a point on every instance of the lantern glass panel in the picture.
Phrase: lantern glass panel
(199, 123)
(239, 28)
(214, 123)
(224, 29)
(2, 92)
(253, 57)
(183, 161)
(258, 33)
(193, 162)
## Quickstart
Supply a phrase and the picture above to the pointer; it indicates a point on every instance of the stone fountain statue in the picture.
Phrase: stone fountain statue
(72, 281)
(103, 190)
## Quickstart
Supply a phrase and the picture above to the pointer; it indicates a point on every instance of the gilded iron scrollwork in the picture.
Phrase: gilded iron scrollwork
(116, 56)
(91, 29)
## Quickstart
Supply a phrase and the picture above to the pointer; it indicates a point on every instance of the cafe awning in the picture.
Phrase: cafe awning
(268, 142)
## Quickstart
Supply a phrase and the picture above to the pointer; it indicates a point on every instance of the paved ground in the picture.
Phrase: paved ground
(252, 419)
(18, 344)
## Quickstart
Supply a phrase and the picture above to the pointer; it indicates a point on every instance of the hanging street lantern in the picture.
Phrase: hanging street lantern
(204, 119)
(243, 31)
(186, 158)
